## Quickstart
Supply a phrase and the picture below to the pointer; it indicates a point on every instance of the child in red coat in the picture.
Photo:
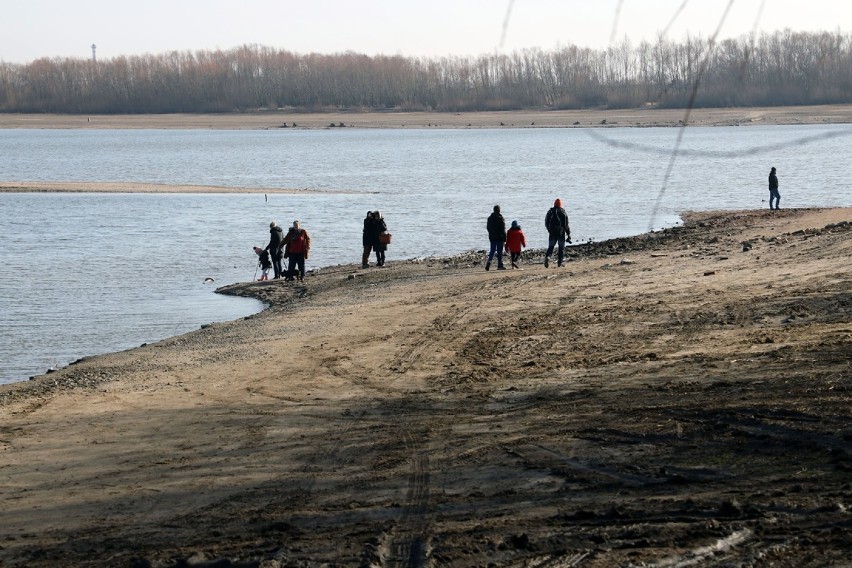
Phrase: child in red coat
(515, 242)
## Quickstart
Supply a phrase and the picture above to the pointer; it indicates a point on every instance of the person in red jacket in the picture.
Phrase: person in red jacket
(297, 245)
(515, 243)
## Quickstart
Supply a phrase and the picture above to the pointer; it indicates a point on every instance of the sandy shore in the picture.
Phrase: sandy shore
(672, 399)
(517, 119)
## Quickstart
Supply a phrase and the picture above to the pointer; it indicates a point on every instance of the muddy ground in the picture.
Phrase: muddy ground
(675, 399)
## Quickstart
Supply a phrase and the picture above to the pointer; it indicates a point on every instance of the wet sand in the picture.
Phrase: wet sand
(672, 399)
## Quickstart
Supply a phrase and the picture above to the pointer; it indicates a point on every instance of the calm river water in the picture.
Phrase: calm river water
(83, 274)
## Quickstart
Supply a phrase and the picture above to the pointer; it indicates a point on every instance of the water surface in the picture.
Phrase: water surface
(91, 273)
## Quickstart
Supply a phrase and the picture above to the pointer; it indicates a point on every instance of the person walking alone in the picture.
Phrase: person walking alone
(558, 231)
(496, 226)
(276, 248)
(773, 190)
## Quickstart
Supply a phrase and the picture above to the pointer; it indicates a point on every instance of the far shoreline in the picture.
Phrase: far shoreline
(288, 121)
(542, 118)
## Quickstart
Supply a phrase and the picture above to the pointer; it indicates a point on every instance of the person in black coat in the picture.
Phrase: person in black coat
(276, 251)
(379, 226)
(773, 190)
(367, 239)
(264, 263)
(496, 226)
(556, 222)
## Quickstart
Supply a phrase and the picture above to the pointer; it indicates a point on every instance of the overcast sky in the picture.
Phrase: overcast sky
(31, 29)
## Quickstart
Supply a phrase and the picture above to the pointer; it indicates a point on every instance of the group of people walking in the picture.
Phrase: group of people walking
(514, 241)
(294, 246)
(296, 243)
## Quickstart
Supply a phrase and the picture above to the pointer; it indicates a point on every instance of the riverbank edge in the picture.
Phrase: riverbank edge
(276, 295)
(45, 382)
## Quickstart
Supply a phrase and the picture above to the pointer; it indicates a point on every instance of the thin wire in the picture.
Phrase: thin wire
(753, 151)
(689, 108)
(758, 18)
(753, 36)
(615, 21)
(674, 18)
(506, 25)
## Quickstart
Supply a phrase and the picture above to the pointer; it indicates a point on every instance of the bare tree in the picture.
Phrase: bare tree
(779, 69)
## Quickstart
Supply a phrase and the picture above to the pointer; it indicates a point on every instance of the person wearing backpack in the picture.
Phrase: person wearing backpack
(496, 227)
(297, 245)
(558, 231)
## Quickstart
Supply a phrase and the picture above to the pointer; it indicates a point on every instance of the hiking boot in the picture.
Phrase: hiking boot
(515, 265)
(501, 267)
(488, 265)
(546, 262)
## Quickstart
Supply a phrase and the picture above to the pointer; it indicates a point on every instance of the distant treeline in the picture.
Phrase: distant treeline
(784, 68)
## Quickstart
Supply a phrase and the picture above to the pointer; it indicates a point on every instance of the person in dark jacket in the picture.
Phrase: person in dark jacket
(558, 231)
(367, 239)
(276, 248)
(773, 190)
(263, 262)
(496, 226)
(379, 227)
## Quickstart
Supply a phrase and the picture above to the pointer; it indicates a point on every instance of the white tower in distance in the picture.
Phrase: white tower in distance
(94, 58)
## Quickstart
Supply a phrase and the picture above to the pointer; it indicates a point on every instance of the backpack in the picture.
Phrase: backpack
(555, 225)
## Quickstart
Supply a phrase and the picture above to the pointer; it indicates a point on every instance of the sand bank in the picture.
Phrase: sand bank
(645, 117)
(134, 187)
(676, 398)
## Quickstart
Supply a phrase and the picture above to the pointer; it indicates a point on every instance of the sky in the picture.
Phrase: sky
(33, 29)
